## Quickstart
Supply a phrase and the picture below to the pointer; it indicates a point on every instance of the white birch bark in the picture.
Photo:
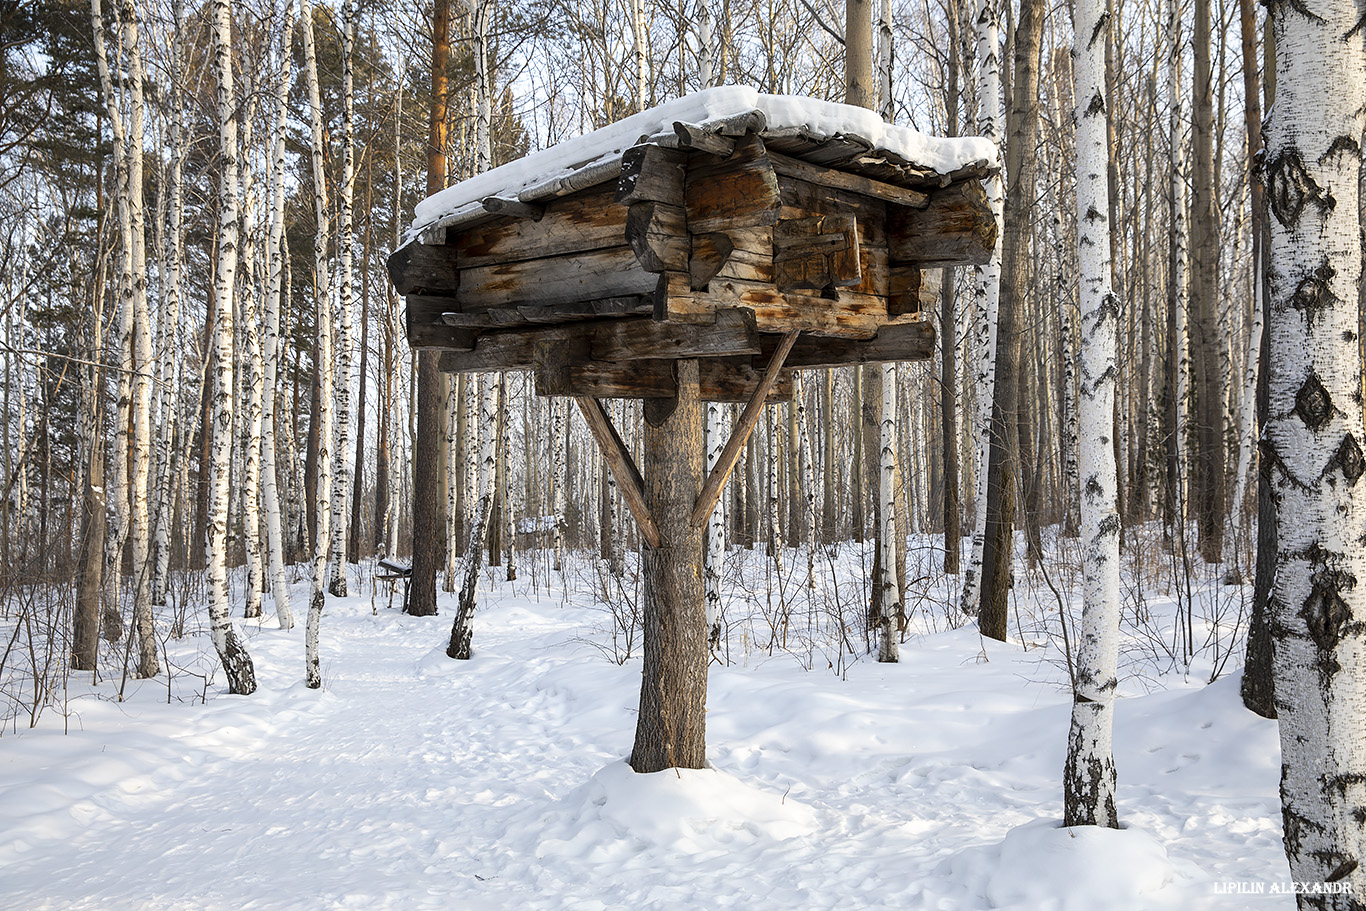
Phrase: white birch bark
(715, 553)
(453, 472)
(1089, 773)
(1247, 437)
(462, 631)
(559, 436)
(270, 492)
(148, 663)
(169, 355)
(1313, 438)
(342, 452)
(250, 373)
(322, 356)
(237, 665)
(483, 120)
(988, 290)
(706, 65)
(505, 457)
(885, 105)
(638, 40)
(807, 467)
(1180, 253)
(892, 618)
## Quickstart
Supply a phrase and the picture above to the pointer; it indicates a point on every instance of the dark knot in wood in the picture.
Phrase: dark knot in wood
(1313, 404)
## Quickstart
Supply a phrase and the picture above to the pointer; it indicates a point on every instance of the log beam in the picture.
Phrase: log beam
(956, 228)
(622, 466)
(711, 490)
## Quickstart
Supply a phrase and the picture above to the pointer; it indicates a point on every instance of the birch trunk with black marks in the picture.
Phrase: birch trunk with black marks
(322, 358)
(891, 617)
(1089, 772)
(1313, 441)
(715, 554)
(237, 665)
(462, 629)
(987, 294)
(1178, 382)
(270, 490)
(342, 453)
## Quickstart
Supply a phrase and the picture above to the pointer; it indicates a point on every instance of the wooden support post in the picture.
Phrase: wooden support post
(706, 500)
(671, 726)
(622, 466)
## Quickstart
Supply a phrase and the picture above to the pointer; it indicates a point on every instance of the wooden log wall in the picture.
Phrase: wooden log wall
(707, 251)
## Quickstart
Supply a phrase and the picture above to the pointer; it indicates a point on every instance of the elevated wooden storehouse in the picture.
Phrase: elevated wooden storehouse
(700, 250)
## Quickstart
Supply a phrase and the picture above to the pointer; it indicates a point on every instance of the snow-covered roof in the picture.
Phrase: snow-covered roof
(795, 125)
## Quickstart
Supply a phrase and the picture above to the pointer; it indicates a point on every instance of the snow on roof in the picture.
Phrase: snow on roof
(544, 173)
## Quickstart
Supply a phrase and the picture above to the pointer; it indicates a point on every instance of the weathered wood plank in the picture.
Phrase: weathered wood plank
(722, 380)
(851, 315)
(709, 254)
(898, 342)
(651, 173)
(577, 310)
(632, 338)
(957, 228)
(590, 275)
(843, 180)
(816, 253)
(738, 192)
(658, 233)
(912, 291)
(513, 208)
(588, 220)
(418, 268)
(448, 339)
(711, 490)
(690, 136)
(623, 467)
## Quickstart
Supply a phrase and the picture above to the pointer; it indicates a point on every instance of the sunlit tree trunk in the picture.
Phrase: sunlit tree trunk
(323, 416)
(987, 294)
(1313, 441)
(1089, 773)
(237, 665)
(270, 491)
(342, 453)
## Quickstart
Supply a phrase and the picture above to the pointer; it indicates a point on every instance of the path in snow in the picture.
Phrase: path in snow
(415, 782)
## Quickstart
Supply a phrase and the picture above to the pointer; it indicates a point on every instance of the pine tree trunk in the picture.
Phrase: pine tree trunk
(998, 545)
(1204, 301)
(1313, 442)
(429, 541)
(671, 726)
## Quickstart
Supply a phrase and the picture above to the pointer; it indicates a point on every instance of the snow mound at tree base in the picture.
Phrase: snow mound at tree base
(1044, 866)
(690, 811)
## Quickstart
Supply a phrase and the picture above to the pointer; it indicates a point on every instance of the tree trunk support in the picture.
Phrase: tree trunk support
(711, 491)
(623, 467)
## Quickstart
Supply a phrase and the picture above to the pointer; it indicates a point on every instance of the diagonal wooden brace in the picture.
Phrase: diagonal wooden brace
(622, 466)
(711, 490)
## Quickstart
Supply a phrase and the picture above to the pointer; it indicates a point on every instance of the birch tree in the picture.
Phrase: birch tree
(462, 630)
(987, 292)
(891, 617)
(270, 492)
(322, 357)
(237, 663)
(341, 453)
(1089, 772)
(1313, 441)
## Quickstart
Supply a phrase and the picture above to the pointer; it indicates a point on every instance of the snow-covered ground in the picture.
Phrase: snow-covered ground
(412, 781)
